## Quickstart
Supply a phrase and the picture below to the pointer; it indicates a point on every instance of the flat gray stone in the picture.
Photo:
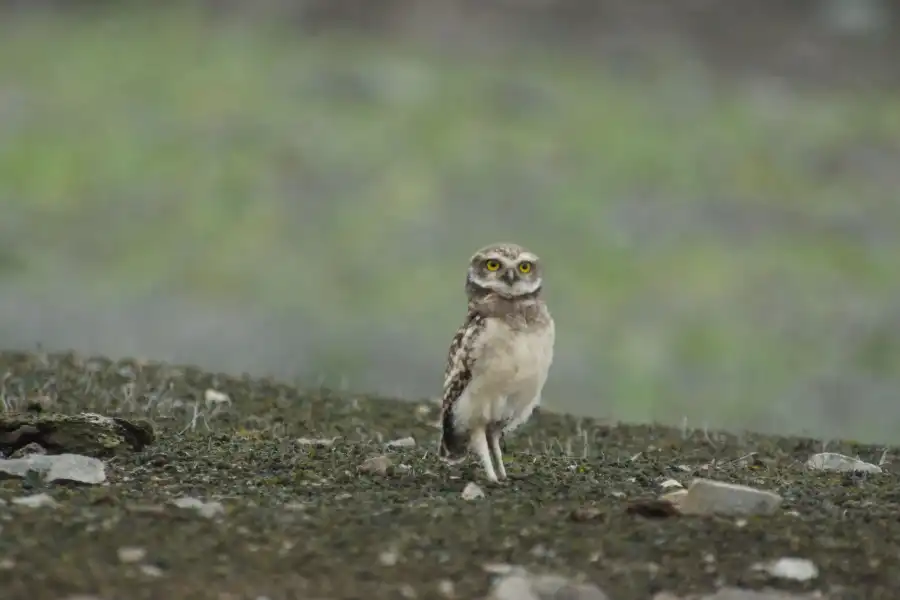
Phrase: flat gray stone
(790, 567)
(832, 461)
(204, 509)
(56, 467)
(707, 496)
(35, 501)
(406, 442)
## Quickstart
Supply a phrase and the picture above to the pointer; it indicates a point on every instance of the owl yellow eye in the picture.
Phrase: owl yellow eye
(525, 267)
(492, 265)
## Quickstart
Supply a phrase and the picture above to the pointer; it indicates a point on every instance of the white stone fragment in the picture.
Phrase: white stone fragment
(389, 558)
(707, 496)
(151, 571)
(668, 483)
(205, 509)
(789, 567)
(407, 442)
(472, 491)
(57, 467)
(832, 461)
(378, 465)
(213, 397)
(498, 568)
(446, 588)
(317, 442)
(131, 554)
(35, 501)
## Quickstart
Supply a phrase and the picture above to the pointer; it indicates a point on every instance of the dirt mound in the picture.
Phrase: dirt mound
(255, 489)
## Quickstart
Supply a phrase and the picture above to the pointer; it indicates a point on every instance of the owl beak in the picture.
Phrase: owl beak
(509, 277)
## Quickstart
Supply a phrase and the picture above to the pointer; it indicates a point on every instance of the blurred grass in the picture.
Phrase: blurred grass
(716, 249)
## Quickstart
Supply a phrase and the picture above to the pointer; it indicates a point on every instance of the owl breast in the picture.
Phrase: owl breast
(509, 372)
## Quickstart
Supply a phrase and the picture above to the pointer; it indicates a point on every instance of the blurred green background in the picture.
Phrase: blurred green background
(297, 193)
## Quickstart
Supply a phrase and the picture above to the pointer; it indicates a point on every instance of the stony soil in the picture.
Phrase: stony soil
(301, 520)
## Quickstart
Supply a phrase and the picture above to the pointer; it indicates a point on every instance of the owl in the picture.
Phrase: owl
(499, 359)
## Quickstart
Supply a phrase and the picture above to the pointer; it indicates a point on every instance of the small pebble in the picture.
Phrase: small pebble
(131, 554)
(378, 465)
(472, 491)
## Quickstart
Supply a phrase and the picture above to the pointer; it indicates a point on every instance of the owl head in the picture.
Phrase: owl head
(507, 270)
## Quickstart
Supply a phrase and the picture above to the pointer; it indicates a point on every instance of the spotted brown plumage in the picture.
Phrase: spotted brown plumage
(457, 375)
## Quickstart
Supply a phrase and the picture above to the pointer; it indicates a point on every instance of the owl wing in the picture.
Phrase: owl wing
(457, 375)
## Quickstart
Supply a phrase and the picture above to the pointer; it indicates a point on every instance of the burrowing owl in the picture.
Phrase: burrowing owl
(499, 358)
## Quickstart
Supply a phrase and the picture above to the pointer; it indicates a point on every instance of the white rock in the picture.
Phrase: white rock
(206, 509)
(131, 554)
(832, 461)
(668, 483)
(788, 567)
(376, 464)
(707, 496)
(406, 442)
(35, 501)
(213, 397)
(521, 585)
(472, 491)
(389, 558)
(318, 442)
(498, 568)
(446, 588)
(151, 571)
(57, 467)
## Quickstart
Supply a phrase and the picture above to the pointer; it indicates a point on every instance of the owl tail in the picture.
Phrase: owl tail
(453, 445)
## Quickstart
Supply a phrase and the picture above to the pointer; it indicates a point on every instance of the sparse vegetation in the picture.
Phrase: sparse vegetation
(301, 517)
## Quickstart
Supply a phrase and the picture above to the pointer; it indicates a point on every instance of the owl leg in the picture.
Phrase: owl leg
(495, 434)
(481, 448)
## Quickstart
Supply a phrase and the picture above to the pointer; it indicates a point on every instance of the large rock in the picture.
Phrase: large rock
(89, 434)
(56, 467)
(708, 496)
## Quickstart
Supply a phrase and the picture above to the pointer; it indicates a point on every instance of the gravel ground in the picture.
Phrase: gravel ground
(303, 520)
